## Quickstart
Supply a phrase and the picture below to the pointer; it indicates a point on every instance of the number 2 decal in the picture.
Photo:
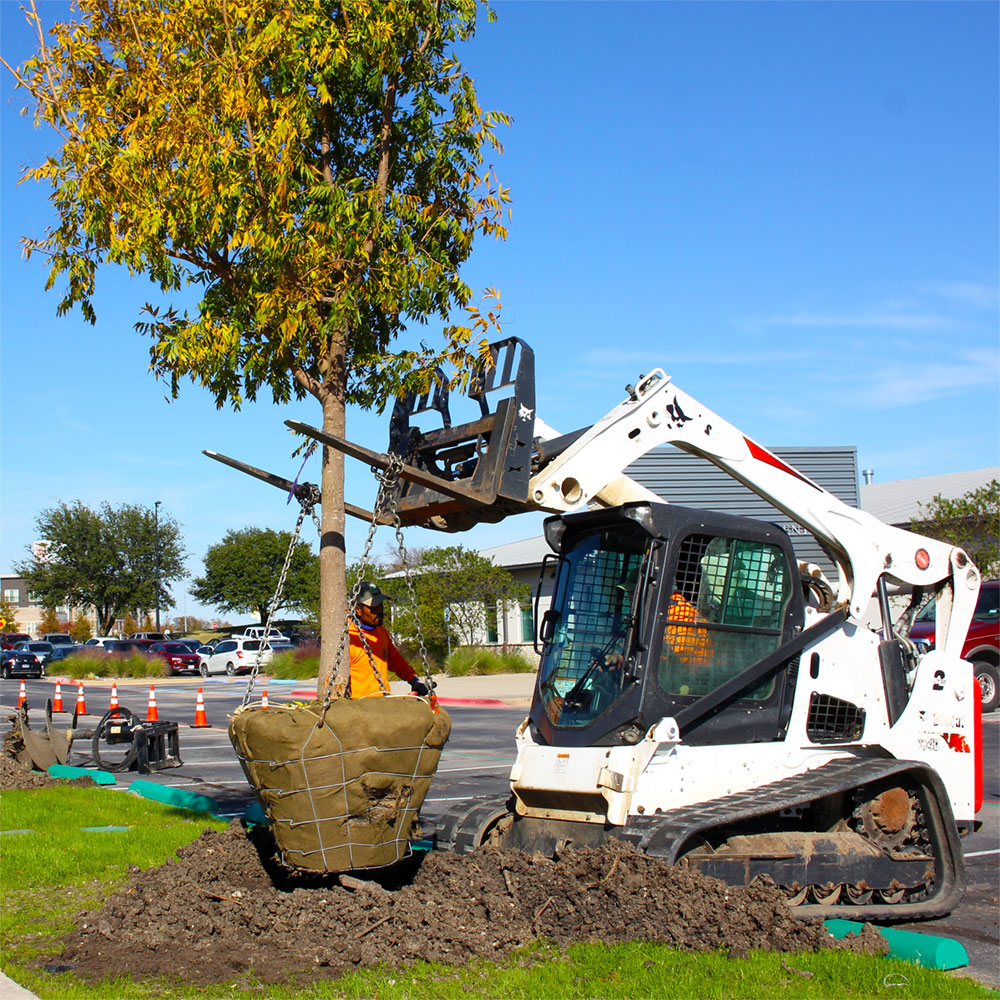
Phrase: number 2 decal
(938, 680)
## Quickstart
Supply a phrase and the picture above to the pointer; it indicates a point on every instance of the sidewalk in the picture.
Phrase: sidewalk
(497, 690)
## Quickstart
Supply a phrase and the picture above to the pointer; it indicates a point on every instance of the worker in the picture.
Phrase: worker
(373, 637)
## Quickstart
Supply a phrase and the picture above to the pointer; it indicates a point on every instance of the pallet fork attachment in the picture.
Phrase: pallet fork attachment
(453, 477)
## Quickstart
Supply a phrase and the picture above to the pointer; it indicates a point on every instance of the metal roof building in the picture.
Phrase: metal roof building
(898, 502)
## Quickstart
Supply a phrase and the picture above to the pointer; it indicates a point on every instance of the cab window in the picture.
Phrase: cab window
(726, 610)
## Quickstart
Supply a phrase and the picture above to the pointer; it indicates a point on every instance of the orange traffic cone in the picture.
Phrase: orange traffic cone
(22, 696)
(113, 707)
(200, 719)
(263, 699)
(151, 714)
(81, 702)
(57, 705)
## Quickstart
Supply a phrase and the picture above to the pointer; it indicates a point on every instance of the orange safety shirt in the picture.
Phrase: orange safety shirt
(385, 656)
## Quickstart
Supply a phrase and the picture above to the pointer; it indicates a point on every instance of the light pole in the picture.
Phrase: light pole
(156, 523)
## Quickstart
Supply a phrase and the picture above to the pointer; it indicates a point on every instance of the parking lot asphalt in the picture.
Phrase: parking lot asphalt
(475, 763)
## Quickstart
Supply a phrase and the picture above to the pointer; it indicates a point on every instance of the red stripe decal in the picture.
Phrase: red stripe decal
(763, 455)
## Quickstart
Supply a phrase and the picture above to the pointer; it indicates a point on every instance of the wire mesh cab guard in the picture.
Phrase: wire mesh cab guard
(487, 459)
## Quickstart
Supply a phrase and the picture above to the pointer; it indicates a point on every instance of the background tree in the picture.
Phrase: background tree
(470, 586)
(317, 169)
(104, 558)
(242, 571)
(79, 628)
(49, 622)
(9, 615)
(971, 521)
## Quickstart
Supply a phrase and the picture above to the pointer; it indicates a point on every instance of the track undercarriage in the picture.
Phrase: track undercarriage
(862, 839)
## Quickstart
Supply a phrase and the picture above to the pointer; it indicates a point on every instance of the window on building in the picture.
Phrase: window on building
(527, 624)
(492, 634)
(12, 596)
(34, 598)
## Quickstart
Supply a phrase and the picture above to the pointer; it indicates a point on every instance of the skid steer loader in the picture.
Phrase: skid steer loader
(700, 693)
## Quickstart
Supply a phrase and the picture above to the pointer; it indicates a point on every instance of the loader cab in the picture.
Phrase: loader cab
(655, 607)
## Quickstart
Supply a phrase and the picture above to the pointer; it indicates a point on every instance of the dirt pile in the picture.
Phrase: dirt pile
(223, 907)
(16, 771)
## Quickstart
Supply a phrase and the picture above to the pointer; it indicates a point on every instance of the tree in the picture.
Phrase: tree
(971, 521)
(9, 615)
(317, 169)
(470, 586)
(49, 622)
(79, 628)
(242, 572)
(104, 558)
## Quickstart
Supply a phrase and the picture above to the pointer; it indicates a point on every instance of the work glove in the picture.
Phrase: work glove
(420, 688)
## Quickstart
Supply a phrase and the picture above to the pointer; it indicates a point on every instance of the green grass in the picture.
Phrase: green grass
(633, 971)
(473, 661)
(49, 875)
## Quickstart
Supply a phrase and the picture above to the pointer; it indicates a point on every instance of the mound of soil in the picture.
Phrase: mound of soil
(224, 906)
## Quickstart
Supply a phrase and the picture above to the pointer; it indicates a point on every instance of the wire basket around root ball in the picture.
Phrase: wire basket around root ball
(341, 789)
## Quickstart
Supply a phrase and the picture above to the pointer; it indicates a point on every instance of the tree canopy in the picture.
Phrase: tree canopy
(315, 169)
(470, 586)
(106, 559)
(971, 521)
(242, 572)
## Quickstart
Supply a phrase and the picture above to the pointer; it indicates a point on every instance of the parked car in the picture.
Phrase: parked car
(60, 652)
(43, 650)
(982, 641)
(152, 636)
(9, 639)
(179, 657)
(59, 638)
(21, 662)
(100, 641)
(127, 646)
(257, 632)
(192, 644)
(236, 656)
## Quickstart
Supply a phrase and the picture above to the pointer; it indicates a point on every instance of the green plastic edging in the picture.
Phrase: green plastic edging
(179, 798)
(255, 815)
(105, 829)
(928, 950)
(65, 771)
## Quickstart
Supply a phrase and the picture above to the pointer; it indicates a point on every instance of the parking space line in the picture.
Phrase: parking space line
(983, 854)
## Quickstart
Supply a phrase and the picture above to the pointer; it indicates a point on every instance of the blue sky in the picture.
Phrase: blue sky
(791, 208)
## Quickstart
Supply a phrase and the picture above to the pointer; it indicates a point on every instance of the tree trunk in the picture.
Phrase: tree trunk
(332, 554)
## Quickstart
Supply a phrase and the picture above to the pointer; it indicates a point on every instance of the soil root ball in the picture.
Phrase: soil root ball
(224, 906)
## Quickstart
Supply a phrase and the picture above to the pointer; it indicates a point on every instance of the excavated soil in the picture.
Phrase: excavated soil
(224, 907)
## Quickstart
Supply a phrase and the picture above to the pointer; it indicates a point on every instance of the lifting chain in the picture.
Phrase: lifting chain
(385, 503)
(308, 498)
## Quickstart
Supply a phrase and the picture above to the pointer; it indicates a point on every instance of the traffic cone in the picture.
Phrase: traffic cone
(81, 702)
(22, 696)
(151, 713)
(200, 719)
(263, 699)
(57, 705)
(113, 707)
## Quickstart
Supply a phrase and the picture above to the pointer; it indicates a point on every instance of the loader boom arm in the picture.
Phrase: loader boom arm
(656, 412)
